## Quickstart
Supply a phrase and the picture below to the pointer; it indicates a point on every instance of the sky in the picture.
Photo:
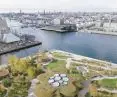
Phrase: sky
(60, 5)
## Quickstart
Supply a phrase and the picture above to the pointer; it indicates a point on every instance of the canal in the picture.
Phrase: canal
(102, 47)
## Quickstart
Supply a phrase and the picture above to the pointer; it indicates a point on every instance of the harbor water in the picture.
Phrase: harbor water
(97, 46)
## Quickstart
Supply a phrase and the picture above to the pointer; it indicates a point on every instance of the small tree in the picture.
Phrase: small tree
(21, 66)
(12, 62)
(31, 61)
(17, 65)
(31, 71)
(6, 82)
(93, 91)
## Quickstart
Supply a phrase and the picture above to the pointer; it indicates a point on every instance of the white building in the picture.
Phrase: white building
(58, 21)
(10, 38)
(5, 35)
(3, 26)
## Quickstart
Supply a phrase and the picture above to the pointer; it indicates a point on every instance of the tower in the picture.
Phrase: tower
(110, 21)
(44, 12)
(20, 11)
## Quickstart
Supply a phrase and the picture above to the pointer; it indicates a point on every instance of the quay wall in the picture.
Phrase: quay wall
(99, 32)
(112, 65)
(20, 48)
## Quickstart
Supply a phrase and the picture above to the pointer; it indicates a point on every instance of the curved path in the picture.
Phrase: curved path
(85, 89)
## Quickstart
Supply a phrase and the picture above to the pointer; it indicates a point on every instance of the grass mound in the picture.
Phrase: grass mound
(60, 55)
(108, 83)
(57, 66)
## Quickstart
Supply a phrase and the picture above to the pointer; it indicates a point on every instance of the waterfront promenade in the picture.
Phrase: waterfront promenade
(99, 32)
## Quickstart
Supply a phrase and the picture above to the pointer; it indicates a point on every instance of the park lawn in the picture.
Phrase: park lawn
(43, 78)
(108, 83)
(60, 55)
(43, 89)
(75, 64)
(69, 90)
(76, 76)
(57, 66)
(104, 94)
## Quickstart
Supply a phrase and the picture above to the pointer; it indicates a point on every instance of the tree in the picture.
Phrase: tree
(21, 66)
(12, 60)
(31, 71)
(19, 87)
(31, 61)
(93, 91)
(39, 69)
(17, 65)
(6, 82)
(2, 90)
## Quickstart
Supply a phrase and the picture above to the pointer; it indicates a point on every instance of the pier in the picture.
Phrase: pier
(61, 28)
(16, 46)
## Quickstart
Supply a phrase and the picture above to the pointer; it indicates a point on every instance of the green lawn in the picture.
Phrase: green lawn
(59, 55)
(106, 94)
(45, 76)
(75, 64)
(108, 83)
(43, 89)
(57, 66)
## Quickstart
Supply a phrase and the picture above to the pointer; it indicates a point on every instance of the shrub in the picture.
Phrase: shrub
(31, 71)
(6, 82)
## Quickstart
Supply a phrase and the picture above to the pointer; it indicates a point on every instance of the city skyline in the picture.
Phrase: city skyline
(59, 5)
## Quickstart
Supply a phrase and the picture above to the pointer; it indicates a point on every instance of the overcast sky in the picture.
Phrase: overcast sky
(61, 5)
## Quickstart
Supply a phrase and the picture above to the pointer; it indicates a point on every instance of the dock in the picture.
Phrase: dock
(16, 46)
(99, 32)
(50, 29)
(61, 28)
(53, 28)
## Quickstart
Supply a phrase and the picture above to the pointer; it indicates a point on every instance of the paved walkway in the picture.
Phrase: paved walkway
(104, 77)
(32, 87)
(107, 90)
(85, 90)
